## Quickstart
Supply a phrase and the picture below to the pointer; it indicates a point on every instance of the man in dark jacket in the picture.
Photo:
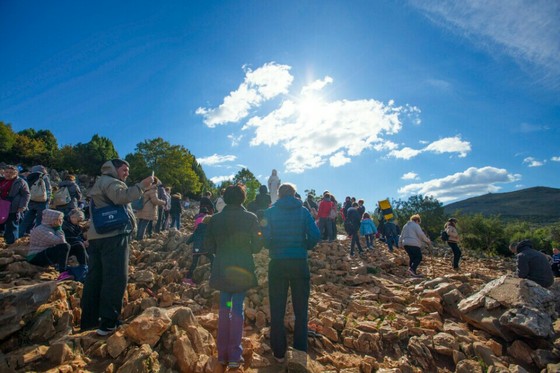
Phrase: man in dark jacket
(532, 264)
(391, 231)
(289, 231)
(352, 227)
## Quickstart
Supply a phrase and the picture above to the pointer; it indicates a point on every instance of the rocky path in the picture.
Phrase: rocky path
(366, 314)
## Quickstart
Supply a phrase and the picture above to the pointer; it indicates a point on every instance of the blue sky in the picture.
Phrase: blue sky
(371, 99)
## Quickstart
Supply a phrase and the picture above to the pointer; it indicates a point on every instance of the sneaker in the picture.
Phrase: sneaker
(105, 331)
(188, 281)
(64, 276)
(411, 272)
(280, 360)
(234, 364)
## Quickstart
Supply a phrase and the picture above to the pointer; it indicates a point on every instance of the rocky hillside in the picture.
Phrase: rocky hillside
(366, 315)
(538, 205)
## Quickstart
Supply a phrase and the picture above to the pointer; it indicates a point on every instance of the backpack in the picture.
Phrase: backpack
(62, 197)
(38, 190)
(137, 204)
(444, 235)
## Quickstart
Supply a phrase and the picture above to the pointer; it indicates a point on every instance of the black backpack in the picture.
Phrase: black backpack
(444, 235)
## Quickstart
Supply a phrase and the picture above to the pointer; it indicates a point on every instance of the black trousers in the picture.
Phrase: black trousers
(102, 298)
(415, 256)
(54, 255)
(456, 253)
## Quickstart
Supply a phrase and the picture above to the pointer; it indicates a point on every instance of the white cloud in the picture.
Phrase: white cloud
(446, 145)
(526, 30)
(220, 179)
(339, 159)
(471, 182)
(262, 84)
(528, 128)
(450, 145)
(235, 140)
(313, 132)
(555, 159)
(405, 153)
(316, 85)
(216, 159)
(410, 176)
(532, 162)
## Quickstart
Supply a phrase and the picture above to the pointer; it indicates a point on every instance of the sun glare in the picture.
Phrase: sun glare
(310, 105)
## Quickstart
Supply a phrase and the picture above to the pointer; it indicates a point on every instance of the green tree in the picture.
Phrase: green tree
(251, 183)
(172, 164)
(7, 140)
(430, 210)
(67, 159)
(93, 154)
(29, 151)
(484, 234)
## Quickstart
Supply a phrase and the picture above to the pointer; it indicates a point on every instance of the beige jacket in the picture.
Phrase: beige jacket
(452, 232)
(108, 189)
(149, 209)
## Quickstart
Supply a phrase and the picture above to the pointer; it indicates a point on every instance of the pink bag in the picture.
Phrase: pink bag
(4, 210)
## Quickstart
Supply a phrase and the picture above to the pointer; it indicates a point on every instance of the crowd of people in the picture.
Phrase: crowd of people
(225, 232)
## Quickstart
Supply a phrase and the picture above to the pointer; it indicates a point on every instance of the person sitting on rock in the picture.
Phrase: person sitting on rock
(47, 244)
(532, 264)
(78, 243)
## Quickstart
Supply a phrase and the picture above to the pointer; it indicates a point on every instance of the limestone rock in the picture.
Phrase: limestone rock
(149, 326)
(19, 302)
(140, 360)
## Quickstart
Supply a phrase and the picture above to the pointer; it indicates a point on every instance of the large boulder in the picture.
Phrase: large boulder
(510, 307)
(18, 302)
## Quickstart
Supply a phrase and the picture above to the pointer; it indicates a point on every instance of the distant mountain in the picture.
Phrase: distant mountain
(538, 204)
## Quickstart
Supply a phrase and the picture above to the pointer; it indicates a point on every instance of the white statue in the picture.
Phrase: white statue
(273, 185)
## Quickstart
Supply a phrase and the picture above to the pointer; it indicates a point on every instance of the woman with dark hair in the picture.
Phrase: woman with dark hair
(233, 236)
(453, 240)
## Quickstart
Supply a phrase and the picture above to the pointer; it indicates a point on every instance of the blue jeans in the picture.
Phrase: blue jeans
(230, 327)
(392, 240)
(369, 240)
(32, 218)
(326, 228)
(11, 228)
(284, 274)
(141, 229)
(176, 221)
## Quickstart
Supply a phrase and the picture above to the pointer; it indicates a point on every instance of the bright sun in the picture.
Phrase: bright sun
(310, 105)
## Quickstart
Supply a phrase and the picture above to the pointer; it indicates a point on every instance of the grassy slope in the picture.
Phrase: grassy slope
(538, 204)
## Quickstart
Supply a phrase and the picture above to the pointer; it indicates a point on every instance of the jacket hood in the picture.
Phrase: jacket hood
(288, 202)
(38, 168)
(109, 169)
(50, 216)
(523, 245)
